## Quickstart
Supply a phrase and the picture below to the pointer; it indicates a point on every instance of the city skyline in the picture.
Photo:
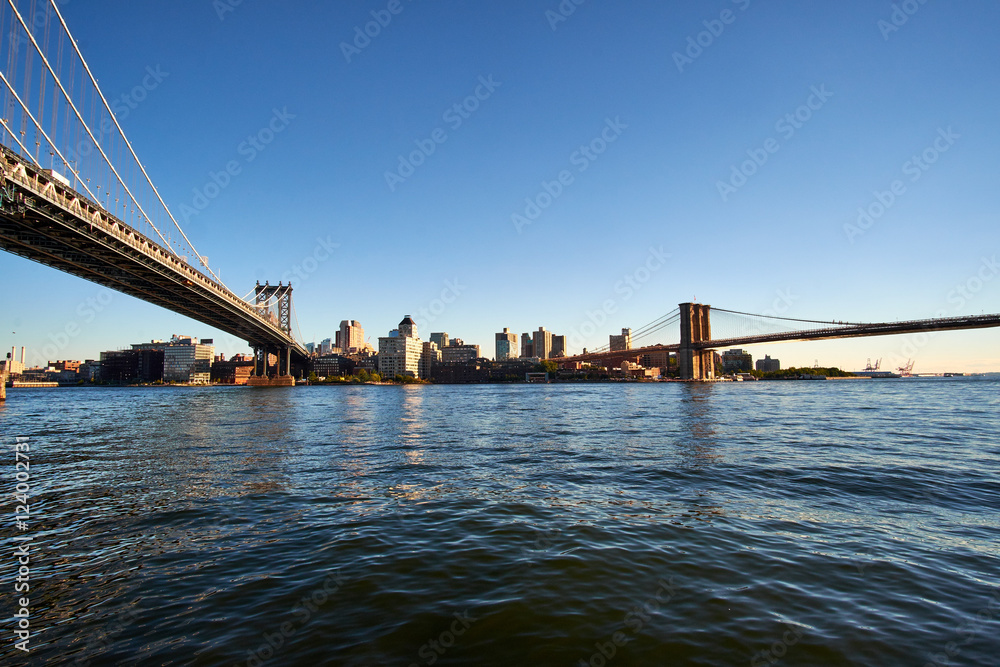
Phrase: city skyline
(843, 184)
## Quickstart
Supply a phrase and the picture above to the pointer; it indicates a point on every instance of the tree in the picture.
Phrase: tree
(549, 366)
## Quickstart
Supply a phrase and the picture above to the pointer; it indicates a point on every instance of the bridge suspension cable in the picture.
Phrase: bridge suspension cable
(646, 331)
(114, 144)
(790, 319)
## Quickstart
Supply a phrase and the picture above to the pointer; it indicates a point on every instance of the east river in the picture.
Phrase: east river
(793, 523)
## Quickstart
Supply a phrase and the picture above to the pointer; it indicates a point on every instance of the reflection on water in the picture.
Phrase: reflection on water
(183, 525)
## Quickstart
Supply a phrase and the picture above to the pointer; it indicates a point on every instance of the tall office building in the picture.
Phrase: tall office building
(352, 336)
(558, 346)
(440, 339)
(527, 346)
(623, 342)
(431, 357)
(543, 343)
(506, 345)
(401, 354)
(326, 346)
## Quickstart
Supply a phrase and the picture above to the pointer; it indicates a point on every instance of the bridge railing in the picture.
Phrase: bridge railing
(41, 185)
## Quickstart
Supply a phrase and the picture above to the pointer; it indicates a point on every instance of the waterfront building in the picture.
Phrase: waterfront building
(543, 343)
(736, 361)
(236, 370)
(401, 354)
(623, 342)
(131, 366)
(11, 366)
(90, 370)
(187, 360)
(431, 357)
(333, 365)
(459, 353)
(506, 345)
(660, 359)
(558, 346)
(768, 365)
(184, 358)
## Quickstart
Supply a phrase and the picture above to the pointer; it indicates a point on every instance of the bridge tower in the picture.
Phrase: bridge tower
(696, 326)
(276, 300)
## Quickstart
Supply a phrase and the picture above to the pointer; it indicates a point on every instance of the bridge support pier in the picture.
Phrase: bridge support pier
(694, 363)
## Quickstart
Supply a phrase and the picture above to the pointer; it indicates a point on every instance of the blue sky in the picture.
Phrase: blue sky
(831, 103)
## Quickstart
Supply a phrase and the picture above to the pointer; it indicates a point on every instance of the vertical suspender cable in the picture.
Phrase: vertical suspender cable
(131, 150)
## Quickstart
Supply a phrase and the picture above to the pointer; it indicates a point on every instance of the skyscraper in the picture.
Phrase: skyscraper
(506, 344)
(543, 343)
(559, 346)
(352, 336)
(527, 346)
(440, 339)
(623, 342)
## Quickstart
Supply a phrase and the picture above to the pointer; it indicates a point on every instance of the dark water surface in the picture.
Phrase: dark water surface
(826, 523)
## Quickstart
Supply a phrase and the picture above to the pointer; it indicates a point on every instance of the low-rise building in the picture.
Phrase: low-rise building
(333, 365)
(459, 353)
(235, 371)
(130, 366)
(736, 361)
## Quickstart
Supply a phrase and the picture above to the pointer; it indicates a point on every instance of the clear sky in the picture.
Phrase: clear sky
(643, 108)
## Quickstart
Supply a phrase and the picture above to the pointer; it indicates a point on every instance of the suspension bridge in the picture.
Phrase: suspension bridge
(696, 343)
(75, 196)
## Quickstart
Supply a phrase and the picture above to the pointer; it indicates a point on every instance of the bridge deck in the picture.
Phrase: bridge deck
(45, 221)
